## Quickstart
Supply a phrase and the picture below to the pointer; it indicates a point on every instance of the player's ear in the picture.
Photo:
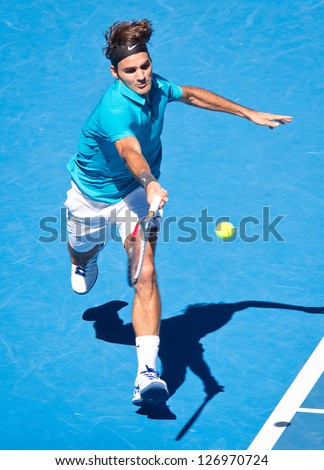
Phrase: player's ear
(113, 71)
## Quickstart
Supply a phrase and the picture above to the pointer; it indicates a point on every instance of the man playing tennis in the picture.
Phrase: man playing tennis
(115, 176)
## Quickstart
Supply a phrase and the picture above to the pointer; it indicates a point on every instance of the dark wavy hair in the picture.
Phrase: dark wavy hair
(126, 33)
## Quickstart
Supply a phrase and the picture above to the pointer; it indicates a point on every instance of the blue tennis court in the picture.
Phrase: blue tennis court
(242, 330)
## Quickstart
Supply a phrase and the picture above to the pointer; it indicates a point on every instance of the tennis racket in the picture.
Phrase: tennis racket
(138, 240)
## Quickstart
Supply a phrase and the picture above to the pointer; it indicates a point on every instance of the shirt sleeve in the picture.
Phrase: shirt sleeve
(175, 92)
(172, 91)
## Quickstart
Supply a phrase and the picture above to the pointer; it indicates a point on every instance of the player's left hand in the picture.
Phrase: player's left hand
(270, 120)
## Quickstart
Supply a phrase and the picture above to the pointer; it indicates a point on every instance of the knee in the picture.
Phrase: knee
(148, 276)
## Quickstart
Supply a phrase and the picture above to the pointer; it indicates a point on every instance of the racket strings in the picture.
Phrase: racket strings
(141, 234)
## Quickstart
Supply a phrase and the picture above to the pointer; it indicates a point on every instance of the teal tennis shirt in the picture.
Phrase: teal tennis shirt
(97, 168)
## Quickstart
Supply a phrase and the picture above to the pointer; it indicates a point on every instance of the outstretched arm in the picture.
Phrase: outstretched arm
(130, 151)
(207, 100)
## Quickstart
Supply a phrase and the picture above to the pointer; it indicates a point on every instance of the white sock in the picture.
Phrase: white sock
(147, 348)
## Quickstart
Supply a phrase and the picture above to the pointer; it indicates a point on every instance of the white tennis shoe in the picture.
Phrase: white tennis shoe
(149, 388)
(83, 278)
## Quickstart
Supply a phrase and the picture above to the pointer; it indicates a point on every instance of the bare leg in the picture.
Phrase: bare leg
(146, 322)
(146, 315)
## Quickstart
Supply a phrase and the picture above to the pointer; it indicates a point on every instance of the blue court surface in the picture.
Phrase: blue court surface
(241, 339)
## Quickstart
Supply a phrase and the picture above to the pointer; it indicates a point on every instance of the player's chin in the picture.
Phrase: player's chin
(144, 89)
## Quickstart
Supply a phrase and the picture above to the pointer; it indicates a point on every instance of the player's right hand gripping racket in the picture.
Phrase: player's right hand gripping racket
(138, 240)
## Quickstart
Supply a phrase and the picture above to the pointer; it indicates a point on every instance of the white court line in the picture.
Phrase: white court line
(311, 410)
(291, 401)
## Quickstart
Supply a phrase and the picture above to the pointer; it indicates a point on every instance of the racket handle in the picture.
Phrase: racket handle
(155, 206)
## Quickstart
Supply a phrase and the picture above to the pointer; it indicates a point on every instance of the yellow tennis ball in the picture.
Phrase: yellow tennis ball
(225, 230)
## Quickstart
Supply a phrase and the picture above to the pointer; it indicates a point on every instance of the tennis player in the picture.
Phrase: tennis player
(115, 175)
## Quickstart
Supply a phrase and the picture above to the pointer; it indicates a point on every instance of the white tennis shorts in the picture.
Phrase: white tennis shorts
(91, 223)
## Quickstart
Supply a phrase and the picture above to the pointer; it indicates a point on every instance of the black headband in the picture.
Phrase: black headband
(121, 52)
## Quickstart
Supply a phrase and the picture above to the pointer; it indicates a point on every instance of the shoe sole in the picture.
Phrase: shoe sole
(154, 393)
(138, 402)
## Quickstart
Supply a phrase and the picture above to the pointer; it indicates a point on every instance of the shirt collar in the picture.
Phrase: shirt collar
(122, 88)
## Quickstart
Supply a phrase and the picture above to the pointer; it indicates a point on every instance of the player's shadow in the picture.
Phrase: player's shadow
(180, 346)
